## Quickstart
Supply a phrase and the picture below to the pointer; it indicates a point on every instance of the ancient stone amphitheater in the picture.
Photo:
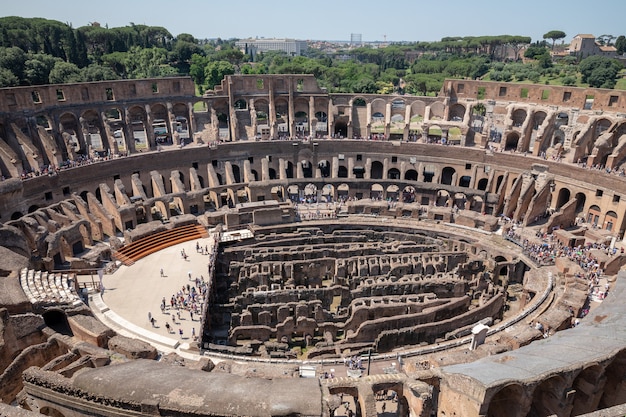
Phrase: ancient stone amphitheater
(466, 248)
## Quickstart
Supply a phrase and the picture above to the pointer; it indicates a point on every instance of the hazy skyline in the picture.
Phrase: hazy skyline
(403, 20)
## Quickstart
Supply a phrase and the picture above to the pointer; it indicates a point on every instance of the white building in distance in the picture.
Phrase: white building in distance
(252, 46)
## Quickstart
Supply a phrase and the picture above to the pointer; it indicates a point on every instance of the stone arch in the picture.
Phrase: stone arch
(581, 200)
(33, 208)
(289, 170)
(410, 175)
(343, 191)
(92, 127)
(307, 168)
(551, 397)
(476, 204)
(376, 170)
(510, 401)
(443, 197)
(393, 174)
(429, 172)
(456, 113)
(610, 220)
(57, 320)
(447, 175)
(68, 123)
(342, 171)
(563, 197)
(615, 385)
(465, 181)
(328, 193)
(408, 194)
(393, 192)
(589, 386)
(341, 128)
(418, 108)
(138, 119)
(50, 411)
(377, 192)
(459, 200)
(593, 215)
(512, 140)
(437, 111)
(293, 192)
(538, 118)
(277, 192)
(236, 173)
(482, 184)
(518, 116)
(240, 104)
(16, 215)
(325, 167)
(272, 173)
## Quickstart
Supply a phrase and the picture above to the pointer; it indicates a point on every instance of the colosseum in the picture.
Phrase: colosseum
(389, 255)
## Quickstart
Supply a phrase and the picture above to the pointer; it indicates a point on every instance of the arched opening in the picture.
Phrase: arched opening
(240, 104)
(581, 199)
(289, 169)
(52, 412)
(33, 208)
(16, 215)
(518, 117)
(307, 169)
(482, 184)
(393, 192)
(376, 192)
(328, 191)
(589, 385)
(615, 385)
(563, 198)
(236, 173)
(508, 402)
(465, 181)
(511, 141)
(447, 175)
(57, 320)
(324, 167)
(342, 172)
(429, 173)
(341, 129)
(593, 215)
(610, 219)
(393, 174)
(343, 191)
(410, 175)
(549, 398)
(272, 173)
(376, 172)
(408, 194)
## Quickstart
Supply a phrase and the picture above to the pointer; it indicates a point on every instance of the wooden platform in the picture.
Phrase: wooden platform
(129, 254)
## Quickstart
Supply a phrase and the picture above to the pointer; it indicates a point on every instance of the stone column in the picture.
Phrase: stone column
(265, 169)
(334, 168)
(368, 169)
(191, 121)
(282, 169)
(129, 136)
(312, 117)
(149, 129)
(292, 115)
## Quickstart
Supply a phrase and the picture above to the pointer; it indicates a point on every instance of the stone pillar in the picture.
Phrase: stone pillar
(191, 122)
(265, 169)
(129, 135)
(312, 125)
(368, 169)
(334, 169)
(386, 168)
(282, 169)
(247, 172)
(426, 116)
(479, 334)
(331, 118)
(351, 167)
(292, 114)
(272, 109)
(149, 129)
(368, 117)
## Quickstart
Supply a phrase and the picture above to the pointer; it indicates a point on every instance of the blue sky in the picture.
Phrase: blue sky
(398, 20)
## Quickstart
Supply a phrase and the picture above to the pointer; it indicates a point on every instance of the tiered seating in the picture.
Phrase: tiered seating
(145, 246)
(47, 288)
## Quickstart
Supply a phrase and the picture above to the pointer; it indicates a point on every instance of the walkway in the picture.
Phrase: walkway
(133, 294)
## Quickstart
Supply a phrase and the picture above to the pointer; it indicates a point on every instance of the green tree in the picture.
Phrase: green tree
(96, 72)
(599, 71)
(7, 78)
(37, 68)
(65, 72)
(215, 72)
(554, 35)
(13, 59)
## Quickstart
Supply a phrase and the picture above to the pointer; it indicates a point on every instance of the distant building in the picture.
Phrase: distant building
(584, 45)
(356, 39)
(252, 46)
